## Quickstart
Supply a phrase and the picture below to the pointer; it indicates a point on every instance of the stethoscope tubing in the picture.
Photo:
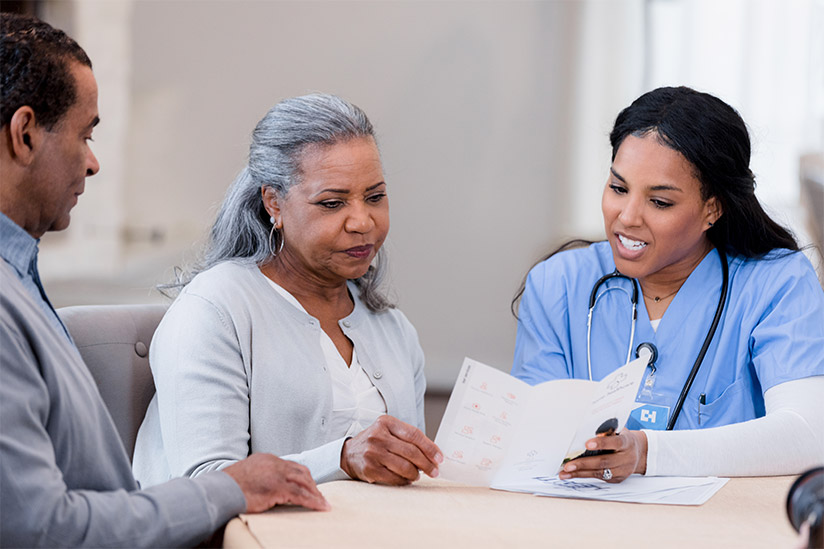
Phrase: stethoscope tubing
(719, 310)
(593, 299)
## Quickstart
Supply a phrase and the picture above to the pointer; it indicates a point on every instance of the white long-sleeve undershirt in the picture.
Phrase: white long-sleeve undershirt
(789, 439)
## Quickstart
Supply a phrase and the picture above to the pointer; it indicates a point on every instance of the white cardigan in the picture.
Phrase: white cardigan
(240, 370)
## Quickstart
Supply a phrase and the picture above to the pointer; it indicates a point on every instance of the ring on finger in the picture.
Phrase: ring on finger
(607, 474)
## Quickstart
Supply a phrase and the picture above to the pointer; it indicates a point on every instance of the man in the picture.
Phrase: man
(65, 478)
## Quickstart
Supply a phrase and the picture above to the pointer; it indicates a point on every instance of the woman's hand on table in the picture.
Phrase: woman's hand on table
(390, 452)
(628, 455)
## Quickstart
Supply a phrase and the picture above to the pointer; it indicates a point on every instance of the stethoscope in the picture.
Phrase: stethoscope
(649, 349)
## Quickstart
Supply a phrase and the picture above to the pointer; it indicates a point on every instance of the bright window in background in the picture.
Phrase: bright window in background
(765, 58)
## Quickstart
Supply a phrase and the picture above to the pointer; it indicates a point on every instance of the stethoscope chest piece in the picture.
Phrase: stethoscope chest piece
(650, 351)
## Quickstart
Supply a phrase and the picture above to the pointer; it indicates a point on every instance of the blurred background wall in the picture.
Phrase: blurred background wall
(492, 119)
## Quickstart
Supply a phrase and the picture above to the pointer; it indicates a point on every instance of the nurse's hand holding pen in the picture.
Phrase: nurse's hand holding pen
(390, 452)
(626, 454)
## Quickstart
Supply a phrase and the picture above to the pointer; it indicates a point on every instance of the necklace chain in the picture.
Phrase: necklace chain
(658, 299)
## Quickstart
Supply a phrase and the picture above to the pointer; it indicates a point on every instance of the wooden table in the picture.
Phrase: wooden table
(747, 512)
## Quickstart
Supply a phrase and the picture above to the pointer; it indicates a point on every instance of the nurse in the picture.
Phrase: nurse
(681, 218)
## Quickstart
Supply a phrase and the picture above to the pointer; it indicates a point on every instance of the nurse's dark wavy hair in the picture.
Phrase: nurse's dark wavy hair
(713, 138)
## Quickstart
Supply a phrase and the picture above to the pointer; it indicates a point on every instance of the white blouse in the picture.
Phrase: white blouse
(356, 403)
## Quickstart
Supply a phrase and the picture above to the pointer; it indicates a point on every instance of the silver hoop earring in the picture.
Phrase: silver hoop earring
(271, 246)
(272, 220)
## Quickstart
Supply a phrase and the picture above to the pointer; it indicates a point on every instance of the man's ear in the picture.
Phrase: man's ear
(24, 135)
(271, 203)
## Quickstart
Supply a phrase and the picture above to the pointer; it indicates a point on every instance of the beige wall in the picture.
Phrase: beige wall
(492, 120)
(466, 98)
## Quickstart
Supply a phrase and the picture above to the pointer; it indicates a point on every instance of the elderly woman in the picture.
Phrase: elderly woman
(697, 274)
(282, 342)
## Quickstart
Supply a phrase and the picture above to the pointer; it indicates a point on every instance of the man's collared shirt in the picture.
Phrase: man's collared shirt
(19, 249)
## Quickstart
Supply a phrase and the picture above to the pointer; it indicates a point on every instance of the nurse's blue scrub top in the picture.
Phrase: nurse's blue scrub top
(771, 331)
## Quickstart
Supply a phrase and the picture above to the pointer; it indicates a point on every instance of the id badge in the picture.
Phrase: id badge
(649, 416)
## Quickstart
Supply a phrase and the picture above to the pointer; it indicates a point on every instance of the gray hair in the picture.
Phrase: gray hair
(242, 228)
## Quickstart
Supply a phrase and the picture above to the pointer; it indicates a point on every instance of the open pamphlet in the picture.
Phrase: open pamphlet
(499, 431)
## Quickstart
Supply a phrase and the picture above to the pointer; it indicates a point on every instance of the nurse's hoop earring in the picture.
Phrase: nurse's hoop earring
(280, 237)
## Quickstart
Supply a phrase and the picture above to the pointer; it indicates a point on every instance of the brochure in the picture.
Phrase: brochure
(498, 430)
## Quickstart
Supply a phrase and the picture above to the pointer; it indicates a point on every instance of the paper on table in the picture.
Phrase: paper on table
(498, 429)
(635, 489)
